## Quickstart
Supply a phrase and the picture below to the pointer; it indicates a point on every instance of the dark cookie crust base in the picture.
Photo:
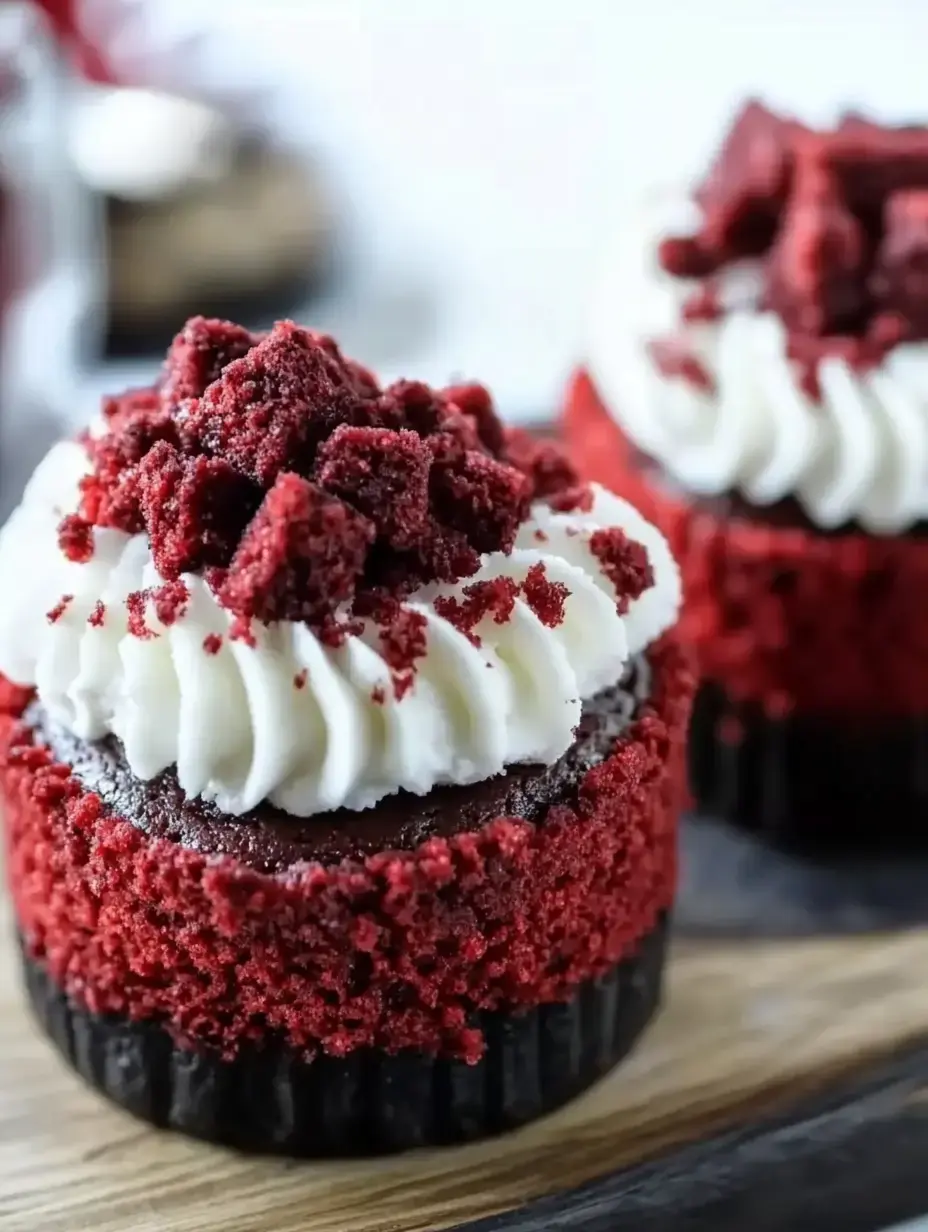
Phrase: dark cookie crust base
(807, 782)
(269, 1100)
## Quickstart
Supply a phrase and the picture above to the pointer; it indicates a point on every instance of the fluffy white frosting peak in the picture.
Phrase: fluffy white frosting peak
(290, 719)
(861, 452)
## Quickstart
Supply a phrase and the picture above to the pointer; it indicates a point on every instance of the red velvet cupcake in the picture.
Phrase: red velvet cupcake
(758, 385)
(341, 753)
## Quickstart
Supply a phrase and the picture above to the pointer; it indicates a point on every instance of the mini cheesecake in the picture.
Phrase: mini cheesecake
(757, 384)
(341, 751)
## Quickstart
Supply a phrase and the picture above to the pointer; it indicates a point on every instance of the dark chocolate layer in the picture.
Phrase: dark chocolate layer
(268, 839)
(811, 781)
(268, 1099)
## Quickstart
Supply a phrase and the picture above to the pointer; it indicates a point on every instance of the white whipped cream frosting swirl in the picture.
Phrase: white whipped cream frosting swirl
(861, 453)
(290, 719)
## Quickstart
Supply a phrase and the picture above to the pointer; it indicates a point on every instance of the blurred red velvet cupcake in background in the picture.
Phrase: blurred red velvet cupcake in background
(757, 384)
(340, 791)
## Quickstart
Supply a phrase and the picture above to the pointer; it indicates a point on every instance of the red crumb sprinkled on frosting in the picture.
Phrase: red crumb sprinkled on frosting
(515, 912)
(838, 221)
(544, 597)
(402, 643)
(578, 499)
(212, 643)
(675, 358)
(170, 601)
(495, 597)
(624, 562)
(59, 609)
(75, 538)
(475, 403)
(279, 470)
(97, 617)
(703, 304)
(136, 607)
(378, 695)
(544, 461)
(299, 680)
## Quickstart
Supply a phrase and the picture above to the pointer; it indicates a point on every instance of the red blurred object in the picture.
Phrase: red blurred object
(88, 55)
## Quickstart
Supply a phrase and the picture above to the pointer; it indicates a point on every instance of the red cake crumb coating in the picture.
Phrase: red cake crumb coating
(837, 221)
(785, 617)
(396, 951)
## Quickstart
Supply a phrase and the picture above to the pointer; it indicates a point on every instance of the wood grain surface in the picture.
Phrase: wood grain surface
(750, 1029)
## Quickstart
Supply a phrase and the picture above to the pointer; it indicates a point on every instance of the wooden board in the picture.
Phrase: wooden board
(775, 1075)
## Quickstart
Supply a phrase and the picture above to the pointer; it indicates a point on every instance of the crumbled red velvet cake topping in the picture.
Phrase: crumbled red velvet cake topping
(839, 222)
(97, 616)
(212, 643)
(169, 602)
(495, 598)
(624, 562)
(59, 609)
(299, 488)
(75, 538)
(544, 597)
(402, 644)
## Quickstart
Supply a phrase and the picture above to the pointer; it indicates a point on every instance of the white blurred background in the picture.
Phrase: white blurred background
(482, 150)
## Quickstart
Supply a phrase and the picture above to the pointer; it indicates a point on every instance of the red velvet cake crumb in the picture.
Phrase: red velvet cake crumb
(198, 355)
(546, 464)
(136, 605)
(838, 221)
(300, 558)
(299, 680)
(674, 358)
(544, 597)
(475, 402)
(97, 617)
(280, 471)
(212, 643)
(75, 538)
(402, 642)
(268, 411)
(900, 274)
(59, 609)
(573, 500)
(624, 562)
(195, 509)
(170, 601)
(495, 597)
(482, 498)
